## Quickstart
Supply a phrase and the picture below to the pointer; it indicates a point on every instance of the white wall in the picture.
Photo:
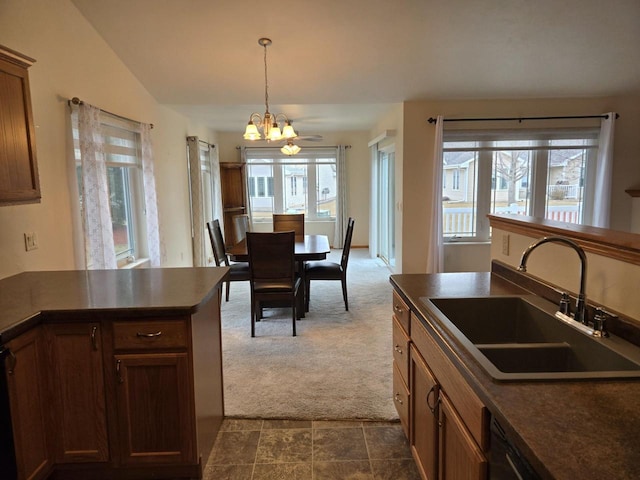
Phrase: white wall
(358, 174)
(418, 156)
(609, 282)
(72, 60)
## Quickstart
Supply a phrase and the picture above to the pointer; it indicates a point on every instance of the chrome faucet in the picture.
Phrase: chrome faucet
(580, 315)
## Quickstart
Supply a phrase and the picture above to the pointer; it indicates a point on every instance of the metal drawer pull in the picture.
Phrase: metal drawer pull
(149, 335)
(429, 393)
(398, 349)
(398, 399)
(12, 365)
(94, 343)
(118, 372)
(398, 309)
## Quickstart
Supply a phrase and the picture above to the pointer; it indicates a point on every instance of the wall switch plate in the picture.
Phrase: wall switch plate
(30, 241)
(505, 244)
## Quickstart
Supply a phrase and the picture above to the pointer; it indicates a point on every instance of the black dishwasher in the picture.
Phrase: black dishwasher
(7, 455)
(506, 462)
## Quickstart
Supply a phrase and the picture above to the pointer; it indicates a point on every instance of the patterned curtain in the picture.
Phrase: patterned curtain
(341, 197)
(96, 214)
(150, 201)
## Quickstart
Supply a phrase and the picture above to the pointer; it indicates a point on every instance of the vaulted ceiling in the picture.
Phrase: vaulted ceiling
(337, 64)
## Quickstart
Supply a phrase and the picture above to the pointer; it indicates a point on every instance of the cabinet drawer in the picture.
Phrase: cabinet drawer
(150, 334)
(401, 399)
(401, 312)
(401, 350)
(473, 413)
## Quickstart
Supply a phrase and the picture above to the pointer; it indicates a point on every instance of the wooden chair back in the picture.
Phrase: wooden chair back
(217, 243)
(241, 226)
(271, 256)
(283, 222)
(347, 244)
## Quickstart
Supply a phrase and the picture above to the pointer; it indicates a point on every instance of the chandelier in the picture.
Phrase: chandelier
(268, 123)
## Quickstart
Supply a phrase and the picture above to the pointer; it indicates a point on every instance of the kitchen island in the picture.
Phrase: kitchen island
(566, 429)
(113, 373)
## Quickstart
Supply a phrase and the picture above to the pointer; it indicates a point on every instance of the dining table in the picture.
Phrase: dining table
(307, 248)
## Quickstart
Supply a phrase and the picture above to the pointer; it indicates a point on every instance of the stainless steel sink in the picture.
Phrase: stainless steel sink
(519, 338)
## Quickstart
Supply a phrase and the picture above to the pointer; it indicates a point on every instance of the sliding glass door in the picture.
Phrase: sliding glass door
(386, 202)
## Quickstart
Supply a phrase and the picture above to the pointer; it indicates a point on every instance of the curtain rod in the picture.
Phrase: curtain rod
(519, 119)
(77, 101)
(211, 145)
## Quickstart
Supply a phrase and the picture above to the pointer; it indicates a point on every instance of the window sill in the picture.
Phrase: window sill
(139, 263)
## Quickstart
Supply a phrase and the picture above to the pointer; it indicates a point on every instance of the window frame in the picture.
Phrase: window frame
(283, 185)
(487, 142)
(132, 182)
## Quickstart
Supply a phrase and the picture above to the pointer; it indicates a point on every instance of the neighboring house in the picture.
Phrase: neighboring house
(460, 173)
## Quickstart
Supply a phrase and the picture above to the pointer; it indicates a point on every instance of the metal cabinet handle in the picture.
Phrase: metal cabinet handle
(149, 335)
(12, 362)
(398, 309)
(429, 393)
(94, 342)
(397, 348)
(398, 398)
(118, 371)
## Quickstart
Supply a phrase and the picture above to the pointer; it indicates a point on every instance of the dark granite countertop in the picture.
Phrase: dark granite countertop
(27, 297)
(587, 429)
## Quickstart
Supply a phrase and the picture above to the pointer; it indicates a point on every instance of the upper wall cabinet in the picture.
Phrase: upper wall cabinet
(18, 167)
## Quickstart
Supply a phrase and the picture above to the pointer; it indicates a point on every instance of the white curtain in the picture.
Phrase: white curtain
(247, 179)
(373, 202)
(435, 254)
(341, 197)
(150, 200)
(197, 204)
(604, 171)
(217, 184)
(96, 213)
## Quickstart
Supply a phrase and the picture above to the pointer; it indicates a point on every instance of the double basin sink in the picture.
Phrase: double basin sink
(519, 338)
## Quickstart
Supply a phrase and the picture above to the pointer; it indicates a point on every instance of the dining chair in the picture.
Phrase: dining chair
(241, 226)
(326, 270)
(272, 274)
(239, 271)
(283, 222)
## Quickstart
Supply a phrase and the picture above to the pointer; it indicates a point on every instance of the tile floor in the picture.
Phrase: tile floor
(248, 449)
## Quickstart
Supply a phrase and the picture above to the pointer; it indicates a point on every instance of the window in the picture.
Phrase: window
(123, 157)
(546, 174)
(279, 183)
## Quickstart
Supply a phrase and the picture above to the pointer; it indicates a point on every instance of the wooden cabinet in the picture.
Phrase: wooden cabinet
(18, 166)
(74, 354)
(448, 426)
(28, 401)
(234, 200)
(460, 456)
(401, 394)
(154, 392)
(423, 437)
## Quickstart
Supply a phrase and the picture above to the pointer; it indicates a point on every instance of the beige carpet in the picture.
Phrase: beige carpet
(338, 367)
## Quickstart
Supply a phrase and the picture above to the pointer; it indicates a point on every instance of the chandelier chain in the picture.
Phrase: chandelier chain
(266, 83)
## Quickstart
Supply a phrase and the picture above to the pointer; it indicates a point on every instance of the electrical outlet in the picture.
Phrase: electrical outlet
(30, 241)
(505, 244)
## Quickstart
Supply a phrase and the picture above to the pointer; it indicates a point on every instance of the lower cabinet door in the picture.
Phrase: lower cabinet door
(460, 456)
(423, 437)
(80, 423)
(28, 401)
(155, 409)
